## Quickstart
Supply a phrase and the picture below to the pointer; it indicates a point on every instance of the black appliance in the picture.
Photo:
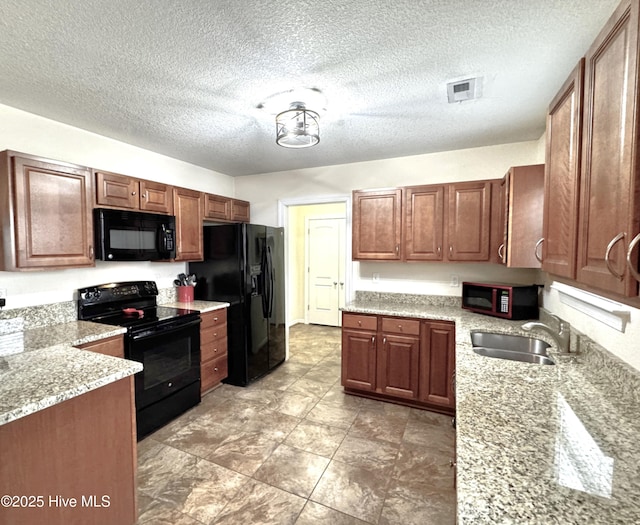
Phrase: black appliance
(165, 340)
(122, 235)
(509, 301)
(244, 266)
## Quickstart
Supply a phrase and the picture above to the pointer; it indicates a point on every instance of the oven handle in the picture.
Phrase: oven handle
(164, 329)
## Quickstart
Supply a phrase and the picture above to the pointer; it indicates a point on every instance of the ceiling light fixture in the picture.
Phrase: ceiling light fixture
(297, 127)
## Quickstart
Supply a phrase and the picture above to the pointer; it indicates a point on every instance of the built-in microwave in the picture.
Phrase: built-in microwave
(122, 235)
(510, 301)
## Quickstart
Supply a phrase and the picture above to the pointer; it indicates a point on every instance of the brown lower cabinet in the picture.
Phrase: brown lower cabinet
(399, 359)
(113, 346)
(74, 462)
(213, 349)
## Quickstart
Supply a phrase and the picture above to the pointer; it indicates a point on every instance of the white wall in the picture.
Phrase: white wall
(36, 135)
(264, 191)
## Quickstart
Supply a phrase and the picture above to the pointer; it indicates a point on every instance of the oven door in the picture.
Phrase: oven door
(170, 354)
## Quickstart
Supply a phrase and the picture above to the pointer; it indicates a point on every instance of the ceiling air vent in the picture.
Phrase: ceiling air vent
(461, 90)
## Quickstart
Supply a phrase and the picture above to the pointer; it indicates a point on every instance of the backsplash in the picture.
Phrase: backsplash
(401, 298)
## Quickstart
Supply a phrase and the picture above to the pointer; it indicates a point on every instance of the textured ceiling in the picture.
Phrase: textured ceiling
(186, 78)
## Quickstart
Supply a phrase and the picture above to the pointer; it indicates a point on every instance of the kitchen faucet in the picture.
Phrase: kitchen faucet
(561, 336)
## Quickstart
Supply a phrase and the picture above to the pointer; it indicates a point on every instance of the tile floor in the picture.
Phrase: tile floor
(293, 448)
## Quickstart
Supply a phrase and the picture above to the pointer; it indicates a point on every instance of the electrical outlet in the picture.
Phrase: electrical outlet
(376, 277)
(3, 293)
(455, 281)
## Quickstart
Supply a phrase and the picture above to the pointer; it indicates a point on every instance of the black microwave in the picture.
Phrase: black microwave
(122, 235)
(509, 301)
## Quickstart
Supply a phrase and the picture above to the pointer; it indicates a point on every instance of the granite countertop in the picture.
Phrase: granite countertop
(201, 306)
(40, 367)
(539, 444)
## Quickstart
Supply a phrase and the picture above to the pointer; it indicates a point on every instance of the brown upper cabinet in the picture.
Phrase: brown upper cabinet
(446, 222)
(120, 191)
(469, 221)
(424, 222)
(219, 208)
(188, 209)
(521, 216)
(377, 225)
(610, 191)
(45, 212)
(562, 177)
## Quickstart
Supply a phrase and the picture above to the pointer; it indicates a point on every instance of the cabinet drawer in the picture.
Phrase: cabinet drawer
(212, 372)
(209, 335)
(215, 318)
(365, 322)
(397, 325)
(213, 349)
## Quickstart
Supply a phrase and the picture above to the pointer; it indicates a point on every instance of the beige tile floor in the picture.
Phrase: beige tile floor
(293, 448)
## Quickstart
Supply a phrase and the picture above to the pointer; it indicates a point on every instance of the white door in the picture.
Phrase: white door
(325, 270)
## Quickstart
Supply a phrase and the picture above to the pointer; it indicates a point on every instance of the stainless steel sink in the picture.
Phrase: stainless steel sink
(512, 347)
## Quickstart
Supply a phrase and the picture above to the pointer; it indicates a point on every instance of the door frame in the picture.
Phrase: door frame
(307, 280)
(283, 219)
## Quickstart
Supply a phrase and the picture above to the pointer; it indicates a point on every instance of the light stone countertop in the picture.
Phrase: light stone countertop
(202, 306)
(39, 367)
(538, 444)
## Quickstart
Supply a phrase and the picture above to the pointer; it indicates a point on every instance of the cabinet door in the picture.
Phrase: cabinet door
(525, 202)
(562, 177)
(217, 207)
(398, 365)
(469, 221)
(53, 217)
(359, 359)
(437, 363)
(117, 190)
(377, 222)
(240, 211)
(609, 185)
(424, 223)
(155, 197)
(187, 206)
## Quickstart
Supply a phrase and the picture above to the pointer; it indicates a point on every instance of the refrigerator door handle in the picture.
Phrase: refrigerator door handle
(263, 281)
(271, 283)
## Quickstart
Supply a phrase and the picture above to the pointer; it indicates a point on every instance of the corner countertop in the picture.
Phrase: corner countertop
(539, 444)
(40, 367)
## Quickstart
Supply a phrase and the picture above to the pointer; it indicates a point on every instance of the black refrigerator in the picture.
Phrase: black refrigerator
(244, 266)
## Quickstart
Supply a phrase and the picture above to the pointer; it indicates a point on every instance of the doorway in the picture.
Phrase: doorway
(295, 215)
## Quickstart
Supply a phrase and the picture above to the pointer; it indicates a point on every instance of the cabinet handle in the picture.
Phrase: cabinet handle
(91, 252)
(144, 195)
(453, 383)
(384, 341)
(535, 250)
(450, 250)
(632, 246)
(373, 340)
(359, 323)
(439, 251)
(501, 252)
(215, 369)
(399, 327)
(133, 193)
(610, 246)
(397, 249)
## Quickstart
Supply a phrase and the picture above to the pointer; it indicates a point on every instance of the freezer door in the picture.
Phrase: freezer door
(276, 294)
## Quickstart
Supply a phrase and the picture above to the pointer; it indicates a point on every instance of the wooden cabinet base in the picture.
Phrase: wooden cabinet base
(75, 460)
(405, 402)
